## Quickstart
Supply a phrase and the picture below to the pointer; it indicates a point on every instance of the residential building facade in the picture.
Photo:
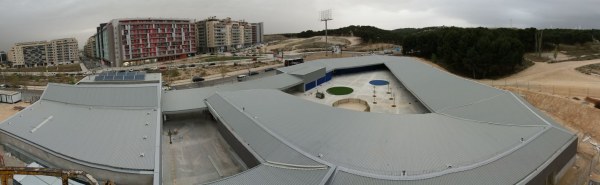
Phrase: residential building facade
(89, 50)
(126, 42)
(220, 35)
(63, 51)
(3, 58)
(43, 53)
(257, 33)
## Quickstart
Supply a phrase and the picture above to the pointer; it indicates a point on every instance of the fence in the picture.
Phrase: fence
(590, 89)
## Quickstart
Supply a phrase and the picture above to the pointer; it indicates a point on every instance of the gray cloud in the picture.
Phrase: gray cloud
(30, 20)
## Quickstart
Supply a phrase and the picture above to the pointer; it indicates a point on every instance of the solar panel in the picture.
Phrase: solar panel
(121, 76)
(140, 77)
(129, 77)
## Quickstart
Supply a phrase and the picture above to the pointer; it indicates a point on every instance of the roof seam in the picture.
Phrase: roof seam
(448, 171)
(468, 104)
(104, 107)
(537, 115)
(287, 143)
(489, 122)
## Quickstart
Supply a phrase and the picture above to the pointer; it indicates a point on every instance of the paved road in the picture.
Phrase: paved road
(226, 80)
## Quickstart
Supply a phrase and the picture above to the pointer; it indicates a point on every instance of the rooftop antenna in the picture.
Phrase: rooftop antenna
(326, 16)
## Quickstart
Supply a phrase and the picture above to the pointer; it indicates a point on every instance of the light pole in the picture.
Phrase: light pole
(586, 139)
(374, 91)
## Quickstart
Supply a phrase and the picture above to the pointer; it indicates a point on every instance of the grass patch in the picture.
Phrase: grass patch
(58, 68)
(340, 90)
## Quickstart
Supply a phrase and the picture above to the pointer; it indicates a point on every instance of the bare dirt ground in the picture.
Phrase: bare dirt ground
(322, 55)
(555, 85)
(371, 47)
(559, 78)
(352, 43)
(7, 110)
(555, 78)
(297, 44)
(579, 119)
(353, 106)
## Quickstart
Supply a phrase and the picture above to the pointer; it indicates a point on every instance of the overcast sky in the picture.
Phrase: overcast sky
(31, 20)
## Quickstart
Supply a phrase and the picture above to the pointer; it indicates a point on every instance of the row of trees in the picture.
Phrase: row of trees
(366, 33)
(474, 52)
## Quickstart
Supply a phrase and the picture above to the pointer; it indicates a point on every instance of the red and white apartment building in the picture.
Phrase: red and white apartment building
(127, 42)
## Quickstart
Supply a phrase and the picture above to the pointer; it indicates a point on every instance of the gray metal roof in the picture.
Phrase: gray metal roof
(143, 95)
(99, 126)
(512, 169)
(473, 128)
(192, 99)
(9, 92)
(337, 63)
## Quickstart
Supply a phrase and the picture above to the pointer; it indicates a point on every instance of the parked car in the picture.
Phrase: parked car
(269, 69)
(212, 64)
(253, 73)
(241, 77)
(182, 66)
(192, 65)
(197, 79)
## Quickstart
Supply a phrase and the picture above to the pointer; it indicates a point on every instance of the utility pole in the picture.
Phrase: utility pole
(326, 16)
(538, 42)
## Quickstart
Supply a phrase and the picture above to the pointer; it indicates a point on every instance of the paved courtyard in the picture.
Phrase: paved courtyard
(405, 102)
(199, 154)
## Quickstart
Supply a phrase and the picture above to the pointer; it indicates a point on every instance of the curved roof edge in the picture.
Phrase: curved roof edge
(486, 94)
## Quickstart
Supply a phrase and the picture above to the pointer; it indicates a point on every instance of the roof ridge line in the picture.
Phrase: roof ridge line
(281, 139)
(537, 115)
(474, 102)
(471, 166)
(103, 107)
(488, 122)
(295, 166)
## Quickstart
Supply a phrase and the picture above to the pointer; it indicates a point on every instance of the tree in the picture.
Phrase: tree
(223, 71)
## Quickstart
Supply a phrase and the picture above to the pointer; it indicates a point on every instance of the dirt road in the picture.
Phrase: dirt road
(558, 78)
